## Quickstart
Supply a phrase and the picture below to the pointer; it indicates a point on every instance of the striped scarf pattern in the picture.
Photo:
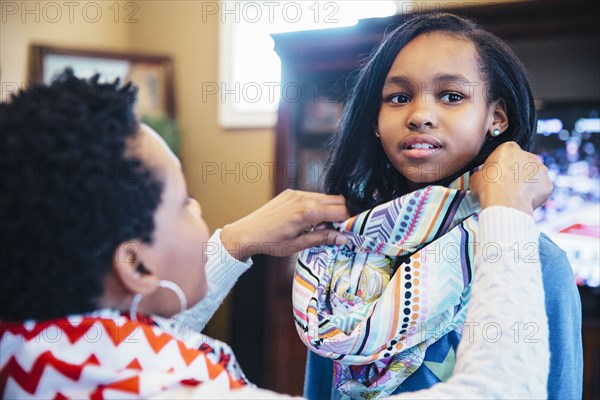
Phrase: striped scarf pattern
(374, 323)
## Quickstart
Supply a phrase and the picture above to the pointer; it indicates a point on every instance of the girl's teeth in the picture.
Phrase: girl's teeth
(421, 146)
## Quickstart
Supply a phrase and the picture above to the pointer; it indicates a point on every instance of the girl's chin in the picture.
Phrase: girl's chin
(419, 181)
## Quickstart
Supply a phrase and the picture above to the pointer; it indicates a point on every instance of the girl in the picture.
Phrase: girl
(436, 98)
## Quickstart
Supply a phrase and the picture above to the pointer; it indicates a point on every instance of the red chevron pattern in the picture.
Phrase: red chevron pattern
(29, 380)
(105, 357)
(131, 385)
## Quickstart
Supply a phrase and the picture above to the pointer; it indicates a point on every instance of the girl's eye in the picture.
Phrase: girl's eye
(451, 97)
(399, 98)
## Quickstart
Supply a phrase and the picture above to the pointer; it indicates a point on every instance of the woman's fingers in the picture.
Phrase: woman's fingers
(512, 177)
(287, 221)
(316, 238)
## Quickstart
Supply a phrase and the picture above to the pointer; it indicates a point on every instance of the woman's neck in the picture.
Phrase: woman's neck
(115, 294)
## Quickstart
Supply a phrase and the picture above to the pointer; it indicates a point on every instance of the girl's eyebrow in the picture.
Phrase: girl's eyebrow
(439, 79)
(451, 78)
(397, 81)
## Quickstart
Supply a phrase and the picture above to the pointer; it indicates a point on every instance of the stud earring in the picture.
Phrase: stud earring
(377, 133)
(495, 132)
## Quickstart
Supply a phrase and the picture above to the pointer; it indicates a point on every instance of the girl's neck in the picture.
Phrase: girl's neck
(412, 186)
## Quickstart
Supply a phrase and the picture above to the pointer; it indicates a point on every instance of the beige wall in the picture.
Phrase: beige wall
(176, 28)
(164, 27)
(24, 23)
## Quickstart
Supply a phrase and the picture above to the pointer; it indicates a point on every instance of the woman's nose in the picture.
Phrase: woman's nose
(195, 206)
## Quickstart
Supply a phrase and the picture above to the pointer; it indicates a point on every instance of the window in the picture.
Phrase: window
(248, 87)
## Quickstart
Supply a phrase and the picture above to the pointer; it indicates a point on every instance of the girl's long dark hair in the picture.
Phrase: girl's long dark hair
(359, 169)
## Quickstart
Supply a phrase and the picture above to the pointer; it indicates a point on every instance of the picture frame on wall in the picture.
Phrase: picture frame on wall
(152, 74)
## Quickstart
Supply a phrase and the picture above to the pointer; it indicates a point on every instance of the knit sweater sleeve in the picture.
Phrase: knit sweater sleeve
(504, 349)
(222, 272)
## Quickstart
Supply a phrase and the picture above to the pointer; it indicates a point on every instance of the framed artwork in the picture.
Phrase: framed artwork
(153, 74)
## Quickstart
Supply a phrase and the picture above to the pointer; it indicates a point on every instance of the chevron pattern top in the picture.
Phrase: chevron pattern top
(375, 305)
(107, 355)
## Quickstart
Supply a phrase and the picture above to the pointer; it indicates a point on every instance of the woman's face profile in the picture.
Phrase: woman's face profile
(177, 251)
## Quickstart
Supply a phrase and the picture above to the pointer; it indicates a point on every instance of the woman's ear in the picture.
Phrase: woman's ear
(129, 268)
(499, 116)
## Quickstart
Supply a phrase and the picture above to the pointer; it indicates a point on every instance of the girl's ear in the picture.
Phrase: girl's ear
(499, 116)
(130, 270)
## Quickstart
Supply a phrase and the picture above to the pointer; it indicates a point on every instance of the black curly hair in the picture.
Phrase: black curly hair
(71, 190)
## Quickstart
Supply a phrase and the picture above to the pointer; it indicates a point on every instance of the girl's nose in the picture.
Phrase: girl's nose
(422, 116)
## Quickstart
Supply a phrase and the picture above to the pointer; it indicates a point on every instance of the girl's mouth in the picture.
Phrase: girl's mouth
(419, 151)
(420, 146)
(425, 146)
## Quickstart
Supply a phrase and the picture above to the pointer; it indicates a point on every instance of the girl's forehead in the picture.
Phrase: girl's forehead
(440, 38)
(434, 55)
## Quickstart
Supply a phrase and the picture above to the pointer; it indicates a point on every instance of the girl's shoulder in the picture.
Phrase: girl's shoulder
(558, 278)
(552, 254)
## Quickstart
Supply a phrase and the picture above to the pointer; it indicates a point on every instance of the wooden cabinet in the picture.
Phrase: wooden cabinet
(318, 69)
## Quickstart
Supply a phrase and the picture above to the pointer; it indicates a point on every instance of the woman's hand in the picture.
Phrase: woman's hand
(512, 177)
(290, 222)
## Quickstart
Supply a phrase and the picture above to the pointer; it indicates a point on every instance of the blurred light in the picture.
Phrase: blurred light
(587, 125)
(588, 148)
(563, 135)
(549, 126)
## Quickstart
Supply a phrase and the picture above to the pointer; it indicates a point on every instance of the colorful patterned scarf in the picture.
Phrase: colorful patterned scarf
(107, 355)
(374, 323)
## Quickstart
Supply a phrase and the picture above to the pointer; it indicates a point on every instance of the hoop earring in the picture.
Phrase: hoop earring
(164, 284)
(495, 133)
